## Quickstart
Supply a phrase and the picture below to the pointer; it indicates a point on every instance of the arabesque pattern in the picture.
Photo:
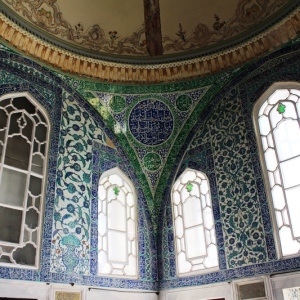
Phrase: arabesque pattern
(71, 235)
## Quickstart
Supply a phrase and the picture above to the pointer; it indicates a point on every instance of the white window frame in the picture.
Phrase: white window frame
(21, 244)
(259, 103)
(181, 244)
(131, 212)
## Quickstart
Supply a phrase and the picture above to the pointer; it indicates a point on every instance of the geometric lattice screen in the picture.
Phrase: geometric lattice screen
(117, 225)
(194, 230)
(24, 131)
(279, 129)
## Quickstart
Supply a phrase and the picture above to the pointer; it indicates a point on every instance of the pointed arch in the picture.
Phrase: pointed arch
(24, 141)
(276, 116)
(194, 230)
(117, 225)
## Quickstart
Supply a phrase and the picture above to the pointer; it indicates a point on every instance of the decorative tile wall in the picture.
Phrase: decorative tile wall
(217, 138)
(20, 76)
(184, 101)
(72, 222)
(227, 126)
(69, 215)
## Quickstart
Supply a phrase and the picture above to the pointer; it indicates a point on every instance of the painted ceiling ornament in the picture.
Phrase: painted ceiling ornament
(148, 38)
(189, 186)
(218, 25)
(96, 33)
(181, 33)
(56, 20)
(281, 108)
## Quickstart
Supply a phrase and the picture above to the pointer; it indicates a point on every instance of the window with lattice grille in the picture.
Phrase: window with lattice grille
(24, 137)
(194, 230)
(117, 225)
(276, 116)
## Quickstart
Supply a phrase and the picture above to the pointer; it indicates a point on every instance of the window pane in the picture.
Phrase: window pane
(32, 218)
(193, 224)
(192, 212)
(37, 164)
(282, 159)
(117, 246)
(41, 133)
(10, 224)
(290, 172)
(20, 124)
(15, 195)
(22, 103)
(35, 185)
(116, 216)
(294, 209)
(195, 242)
(25, 255)
(287, 137)
(17, 157)
(117, 237)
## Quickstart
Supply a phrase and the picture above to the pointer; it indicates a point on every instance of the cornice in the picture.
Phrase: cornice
(106, 71)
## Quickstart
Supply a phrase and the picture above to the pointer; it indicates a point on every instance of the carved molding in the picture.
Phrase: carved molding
(106, 71)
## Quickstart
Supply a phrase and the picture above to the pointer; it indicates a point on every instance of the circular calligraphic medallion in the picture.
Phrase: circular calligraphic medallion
(183, 102)
(152, 161)
(151, 122)
(117, 104)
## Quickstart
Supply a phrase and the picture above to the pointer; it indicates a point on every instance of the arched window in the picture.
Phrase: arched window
(276, 116)
(117, 225)
(194, 230)
(24, 136)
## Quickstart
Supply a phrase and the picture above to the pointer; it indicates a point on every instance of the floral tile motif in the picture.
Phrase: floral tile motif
(240, 211)
(218, 138)
(52, 93)
(227, 125)
(53, 20)
(72, 223)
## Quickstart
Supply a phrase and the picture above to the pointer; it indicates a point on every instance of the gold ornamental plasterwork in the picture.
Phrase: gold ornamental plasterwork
(151, 73)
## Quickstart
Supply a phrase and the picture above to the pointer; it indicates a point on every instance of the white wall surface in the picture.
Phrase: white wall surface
(42, 291)
(284, 281)
(120, 295)
(19, 289)
(210, 291)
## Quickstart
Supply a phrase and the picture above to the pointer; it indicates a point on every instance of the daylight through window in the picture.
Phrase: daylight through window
(117, 225)
(194, 230)
(24, 131)
(277, 117)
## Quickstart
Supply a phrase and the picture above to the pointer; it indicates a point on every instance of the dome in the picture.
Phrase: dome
(136, 35)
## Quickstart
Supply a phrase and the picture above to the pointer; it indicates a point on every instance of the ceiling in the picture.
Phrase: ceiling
(140, 30)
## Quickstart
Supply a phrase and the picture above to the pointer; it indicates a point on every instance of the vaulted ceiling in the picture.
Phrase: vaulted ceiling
(112, 29)
(148, 41)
